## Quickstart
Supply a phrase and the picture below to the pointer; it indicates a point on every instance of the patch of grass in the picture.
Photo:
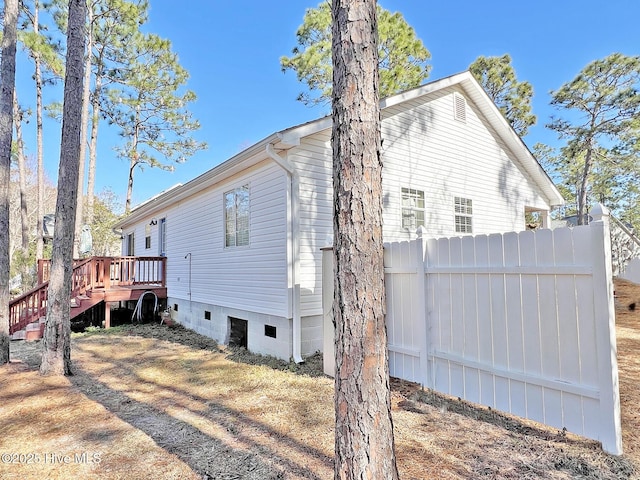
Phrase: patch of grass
(175, 333)
(312, 365)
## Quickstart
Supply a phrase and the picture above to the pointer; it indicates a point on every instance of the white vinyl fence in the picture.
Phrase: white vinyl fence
(522, 322)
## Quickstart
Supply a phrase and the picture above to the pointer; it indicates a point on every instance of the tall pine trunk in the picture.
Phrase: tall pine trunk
(133, 162)
(364, 444)
(93, 146)
(22, 182)
(7, 86)
(86, 94)
(584, 184)
(56, 354)
(39, 148)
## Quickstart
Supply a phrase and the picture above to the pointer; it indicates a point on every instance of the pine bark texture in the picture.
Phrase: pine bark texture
(364, 445)
(22, 182)
(7, 87)
(56, 355)
(86, 97)
(93, 148)
(39, 147)
(22, 177)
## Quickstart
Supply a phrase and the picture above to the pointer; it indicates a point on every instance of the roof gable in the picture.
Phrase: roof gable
(291, 137)
(474, 91)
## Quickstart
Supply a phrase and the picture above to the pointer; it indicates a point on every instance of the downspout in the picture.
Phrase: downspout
(294, 200)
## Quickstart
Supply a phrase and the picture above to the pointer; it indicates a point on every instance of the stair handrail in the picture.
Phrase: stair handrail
(32, 305)
(92, 273)
(28, 307)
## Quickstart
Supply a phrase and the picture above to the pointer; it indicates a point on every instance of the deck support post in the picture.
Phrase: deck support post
(107, 314)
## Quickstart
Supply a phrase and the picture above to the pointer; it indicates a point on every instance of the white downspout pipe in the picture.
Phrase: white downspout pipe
(295, 247)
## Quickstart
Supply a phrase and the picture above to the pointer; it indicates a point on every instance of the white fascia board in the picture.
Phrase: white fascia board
(293, 135)
(424, 89)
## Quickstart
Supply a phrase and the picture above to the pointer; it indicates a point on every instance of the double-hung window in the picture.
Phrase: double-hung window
(463, 212)
(236, 217)
(412, 208)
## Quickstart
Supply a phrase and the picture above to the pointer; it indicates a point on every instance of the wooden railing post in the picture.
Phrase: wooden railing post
(106, 272)
(88, 274)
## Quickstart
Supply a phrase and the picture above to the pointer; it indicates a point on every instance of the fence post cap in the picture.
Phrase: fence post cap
(421, 231)
(599, 211)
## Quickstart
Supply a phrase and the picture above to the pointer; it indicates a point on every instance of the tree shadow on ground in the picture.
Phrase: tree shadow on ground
(224, 443)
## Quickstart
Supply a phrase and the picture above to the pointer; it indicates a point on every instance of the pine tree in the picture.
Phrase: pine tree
(56, 354)
(364, 446)
(606, 97)
(151, 110)
(7, 87)
(402, 58)
(498, 78)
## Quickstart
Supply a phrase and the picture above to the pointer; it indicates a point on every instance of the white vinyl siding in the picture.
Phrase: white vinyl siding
(252, 278)
(425, 146)
(314, 164)
(425, 150)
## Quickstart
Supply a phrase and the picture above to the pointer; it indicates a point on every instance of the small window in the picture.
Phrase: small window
(463, 212)
(412, 208)
(236, 217)
(270, 331)
(207, 315)
(459, 108)
(175, 307)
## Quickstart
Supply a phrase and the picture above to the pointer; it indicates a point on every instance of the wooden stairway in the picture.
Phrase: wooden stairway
(94, 280)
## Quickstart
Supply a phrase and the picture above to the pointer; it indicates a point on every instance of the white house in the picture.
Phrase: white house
(243, 240)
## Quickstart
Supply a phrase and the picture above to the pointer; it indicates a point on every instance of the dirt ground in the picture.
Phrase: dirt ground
(148, 401)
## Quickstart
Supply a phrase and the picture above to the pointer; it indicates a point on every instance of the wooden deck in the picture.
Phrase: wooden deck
(95, 280)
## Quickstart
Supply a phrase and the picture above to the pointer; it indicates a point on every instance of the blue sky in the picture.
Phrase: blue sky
(232, 51)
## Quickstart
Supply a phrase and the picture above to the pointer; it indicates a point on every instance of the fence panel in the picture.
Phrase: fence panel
(404, 335)
(522, 322)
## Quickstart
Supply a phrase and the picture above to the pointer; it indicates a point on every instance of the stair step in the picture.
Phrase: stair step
(19, 335)
(34, 331)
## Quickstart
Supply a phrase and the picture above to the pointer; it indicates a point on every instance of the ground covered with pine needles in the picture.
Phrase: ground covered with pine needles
(148, 401)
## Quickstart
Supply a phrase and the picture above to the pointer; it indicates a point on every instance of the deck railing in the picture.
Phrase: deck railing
(28, 307)
(95, 273)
